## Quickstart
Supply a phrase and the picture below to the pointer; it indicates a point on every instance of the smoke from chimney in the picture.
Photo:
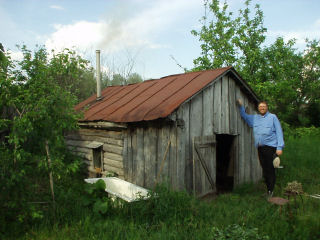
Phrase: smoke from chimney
(98, 75)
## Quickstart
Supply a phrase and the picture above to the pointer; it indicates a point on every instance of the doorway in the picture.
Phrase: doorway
(225, 163)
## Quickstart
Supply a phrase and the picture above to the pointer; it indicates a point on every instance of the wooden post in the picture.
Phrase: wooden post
(193, 169)
(50, 178)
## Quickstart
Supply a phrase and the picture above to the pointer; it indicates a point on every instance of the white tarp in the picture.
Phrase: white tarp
(122, 189)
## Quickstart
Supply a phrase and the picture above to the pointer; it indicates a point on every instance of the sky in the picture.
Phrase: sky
(155, 35)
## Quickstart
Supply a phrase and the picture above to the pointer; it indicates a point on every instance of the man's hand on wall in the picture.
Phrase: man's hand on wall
(239, 102)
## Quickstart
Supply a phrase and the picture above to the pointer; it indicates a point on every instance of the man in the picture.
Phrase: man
(268, 138)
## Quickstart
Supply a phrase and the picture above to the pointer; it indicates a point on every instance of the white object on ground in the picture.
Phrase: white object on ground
(315, 196)
(122, 189)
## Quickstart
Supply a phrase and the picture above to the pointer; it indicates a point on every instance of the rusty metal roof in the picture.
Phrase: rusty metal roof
(148, 100)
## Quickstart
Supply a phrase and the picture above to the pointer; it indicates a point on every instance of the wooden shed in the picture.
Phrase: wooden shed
(184, 129)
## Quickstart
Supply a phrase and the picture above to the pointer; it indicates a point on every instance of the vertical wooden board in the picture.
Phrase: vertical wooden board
(217, 106)
(162, 160)
(232, 106)
(252, 159)
(225, 105)
(134, 155)
(208, 111)
(187, 154)
(208, 129)
(140, 158)
(257, 170)
(125, 154)
(247, 146)
(150, 155)
(173, 158)
(196, 123)
(240, 127)
(182, 140)
(235, 155)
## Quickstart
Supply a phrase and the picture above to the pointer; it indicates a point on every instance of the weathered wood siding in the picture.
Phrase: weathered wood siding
(213, 111)
(153, 153)
(113, 147)
(146, 160)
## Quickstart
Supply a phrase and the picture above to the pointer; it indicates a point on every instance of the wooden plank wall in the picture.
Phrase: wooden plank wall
(247, 166)
(138, 153)
(113, 144)
(145, 160)
(213, 111)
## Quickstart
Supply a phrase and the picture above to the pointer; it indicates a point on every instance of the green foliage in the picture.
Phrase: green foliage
(280, 80)
(118, 79)
(73, 73)
(237, 232)
(242, 214)
(289, 80)
(164, 204)
(41, 112)
(134, 78)
(300, 132)
(311, 83)
(217, 48)
(96, 197)
(100, 202)
(248, 38)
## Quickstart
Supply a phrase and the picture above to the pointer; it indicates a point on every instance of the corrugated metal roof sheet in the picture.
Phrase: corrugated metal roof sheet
(148, 100)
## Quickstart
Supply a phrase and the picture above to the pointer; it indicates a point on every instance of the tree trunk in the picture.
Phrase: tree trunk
(50, 177)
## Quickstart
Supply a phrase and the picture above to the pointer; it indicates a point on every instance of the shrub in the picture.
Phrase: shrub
(237, 232)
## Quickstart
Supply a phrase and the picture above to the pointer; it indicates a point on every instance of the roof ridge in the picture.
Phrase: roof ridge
(201, 71)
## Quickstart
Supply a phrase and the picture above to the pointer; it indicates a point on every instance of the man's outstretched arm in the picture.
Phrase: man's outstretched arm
(247, 117)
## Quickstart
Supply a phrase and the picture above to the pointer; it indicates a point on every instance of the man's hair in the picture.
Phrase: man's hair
(263, 102)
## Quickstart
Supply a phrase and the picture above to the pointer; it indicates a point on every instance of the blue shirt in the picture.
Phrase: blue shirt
(266, 129)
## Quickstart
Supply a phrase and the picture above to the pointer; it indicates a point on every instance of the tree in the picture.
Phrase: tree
(217, 47)
(248, 39)
(43, 112)
(73, 73)
(280, 80)
(287, 79)
(134, 78)
(230, 41)
(311, 81)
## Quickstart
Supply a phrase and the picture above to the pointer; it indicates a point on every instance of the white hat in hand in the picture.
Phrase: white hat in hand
(276, 162)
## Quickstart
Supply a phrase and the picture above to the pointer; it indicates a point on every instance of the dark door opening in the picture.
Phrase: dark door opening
(225, 163)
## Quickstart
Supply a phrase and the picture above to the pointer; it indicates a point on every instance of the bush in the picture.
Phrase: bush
(164, 205)
(299, 132)
(237, 232)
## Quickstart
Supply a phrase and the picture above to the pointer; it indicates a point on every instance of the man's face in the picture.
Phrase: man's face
(263, 108)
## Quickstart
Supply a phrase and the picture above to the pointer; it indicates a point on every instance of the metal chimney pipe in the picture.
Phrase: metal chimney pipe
(98, 74)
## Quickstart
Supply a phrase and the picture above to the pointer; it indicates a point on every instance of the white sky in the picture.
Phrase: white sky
(150, 31)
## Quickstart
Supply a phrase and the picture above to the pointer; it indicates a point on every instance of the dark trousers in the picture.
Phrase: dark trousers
(266, 154)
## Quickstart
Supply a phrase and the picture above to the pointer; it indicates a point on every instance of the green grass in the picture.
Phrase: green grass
(242, 214)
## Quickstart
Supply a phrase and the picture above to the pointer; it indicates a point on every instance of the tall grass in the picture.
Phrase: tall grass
(241, 214)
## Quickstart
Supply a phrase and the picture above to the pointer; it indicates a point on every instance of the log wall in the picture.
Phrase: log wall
(113, 143)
